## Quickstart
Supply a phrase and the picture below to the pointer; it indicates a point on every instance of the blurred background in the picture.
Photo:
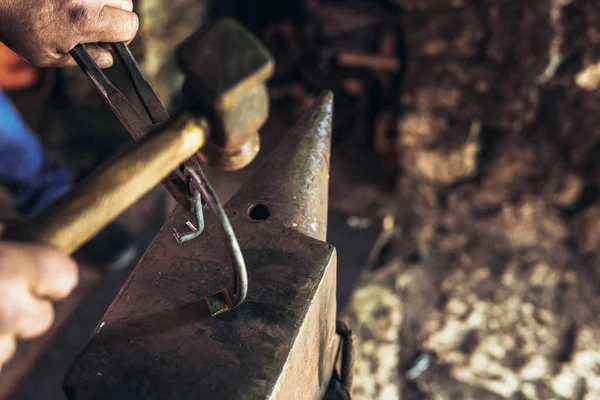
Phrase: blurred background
(464, 184)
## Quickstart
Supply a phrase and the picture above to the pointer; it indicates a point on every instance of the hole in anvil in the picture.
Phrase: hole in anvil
(259, 212)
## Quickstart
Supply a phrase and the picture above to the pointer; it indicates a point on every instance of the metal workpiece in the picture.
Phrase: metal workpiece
(232, 296)
(226, 69)
(158, 341)
(80, 214)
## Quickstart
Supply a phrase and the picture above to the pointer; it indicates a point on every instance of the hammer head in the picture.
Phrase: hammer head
(226, 70)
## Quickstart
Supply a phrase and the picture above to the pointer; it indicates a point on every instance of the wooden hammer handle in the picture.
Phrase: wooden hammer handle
(100, 199)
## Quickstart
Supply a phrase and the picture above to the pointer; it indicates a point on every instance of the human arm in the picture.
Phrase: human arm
(44, 31)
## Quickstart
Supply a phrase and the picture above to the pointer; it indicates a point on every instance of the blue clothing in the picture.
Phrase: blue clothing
(25, 169)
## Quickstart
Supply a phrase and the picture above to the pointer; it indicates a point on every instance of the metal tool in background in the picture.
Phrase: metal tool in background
(157, 339)
(222, 116)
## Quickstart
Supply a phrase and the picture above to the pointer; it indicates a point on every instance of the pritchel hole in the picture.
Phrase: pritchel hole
(259, 212)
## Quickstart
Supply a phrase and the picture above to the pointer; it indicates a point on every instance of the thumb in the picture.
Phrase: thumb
(8, 345)
(48, 272)
(112, 26)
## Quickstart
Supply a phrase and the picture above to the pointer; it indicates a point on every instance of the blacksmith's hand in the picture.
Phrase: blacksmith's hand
(44, 31)
(31, 276)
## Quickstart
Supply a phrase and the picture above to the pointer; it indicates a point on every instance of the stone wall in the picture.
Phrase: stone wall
(495, 286)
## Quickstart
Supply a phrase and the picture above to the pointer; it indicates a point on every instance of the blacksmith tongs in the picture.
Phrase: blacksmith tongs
(165, 145)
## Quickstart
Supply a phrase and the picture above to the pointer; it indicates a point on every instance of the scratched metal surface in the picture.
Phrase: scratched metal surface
(157, 340)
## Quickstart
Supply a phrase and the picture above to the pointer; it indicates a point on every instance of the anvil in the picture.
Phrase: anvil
(158, 339)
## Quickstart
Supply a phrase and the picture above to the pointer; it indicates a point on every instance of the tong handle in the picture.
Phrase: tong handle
(149, 99)
(136, 124)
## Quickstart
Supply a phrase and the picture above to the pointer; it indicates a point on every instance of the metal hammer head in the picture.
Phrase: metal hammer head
(226, 70)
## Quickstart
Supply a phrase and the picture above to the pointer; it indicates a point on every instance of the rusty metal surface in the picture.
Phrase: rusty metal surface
(80, 214)
(226, 70)
(157, 340)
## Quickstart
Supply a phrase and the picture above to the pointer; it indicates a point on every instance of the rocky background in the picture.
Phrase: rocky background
(494, 291)
(473, 127)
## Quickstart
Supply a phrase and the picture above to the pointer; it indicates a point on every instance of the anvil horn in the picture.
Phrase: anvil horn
(292, 186)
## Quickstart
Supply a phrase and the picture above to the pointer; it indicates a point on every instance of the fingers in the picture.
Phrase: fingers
(45, 271)
(57, 274)
(54, 27)
(9, 307)
(30, 276)
(35, 316)
(91, 22)
(113, 25)
(8, 346)
(22, 314)
(101, 55)
(126, 5)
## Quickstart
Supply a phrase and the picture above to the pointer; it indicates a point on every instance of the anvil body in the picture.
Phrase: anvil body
(158, 341)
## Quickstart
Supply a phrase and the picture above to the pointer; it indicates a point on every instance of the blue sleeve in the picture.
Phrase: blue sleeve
(25, 169)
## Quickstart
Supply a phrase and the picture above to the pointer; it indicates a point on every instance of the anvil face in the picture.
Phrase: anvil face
(158, 340)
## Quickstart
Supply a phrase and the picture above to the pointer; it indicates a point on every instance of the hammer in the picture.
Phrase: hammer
(226, 70)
